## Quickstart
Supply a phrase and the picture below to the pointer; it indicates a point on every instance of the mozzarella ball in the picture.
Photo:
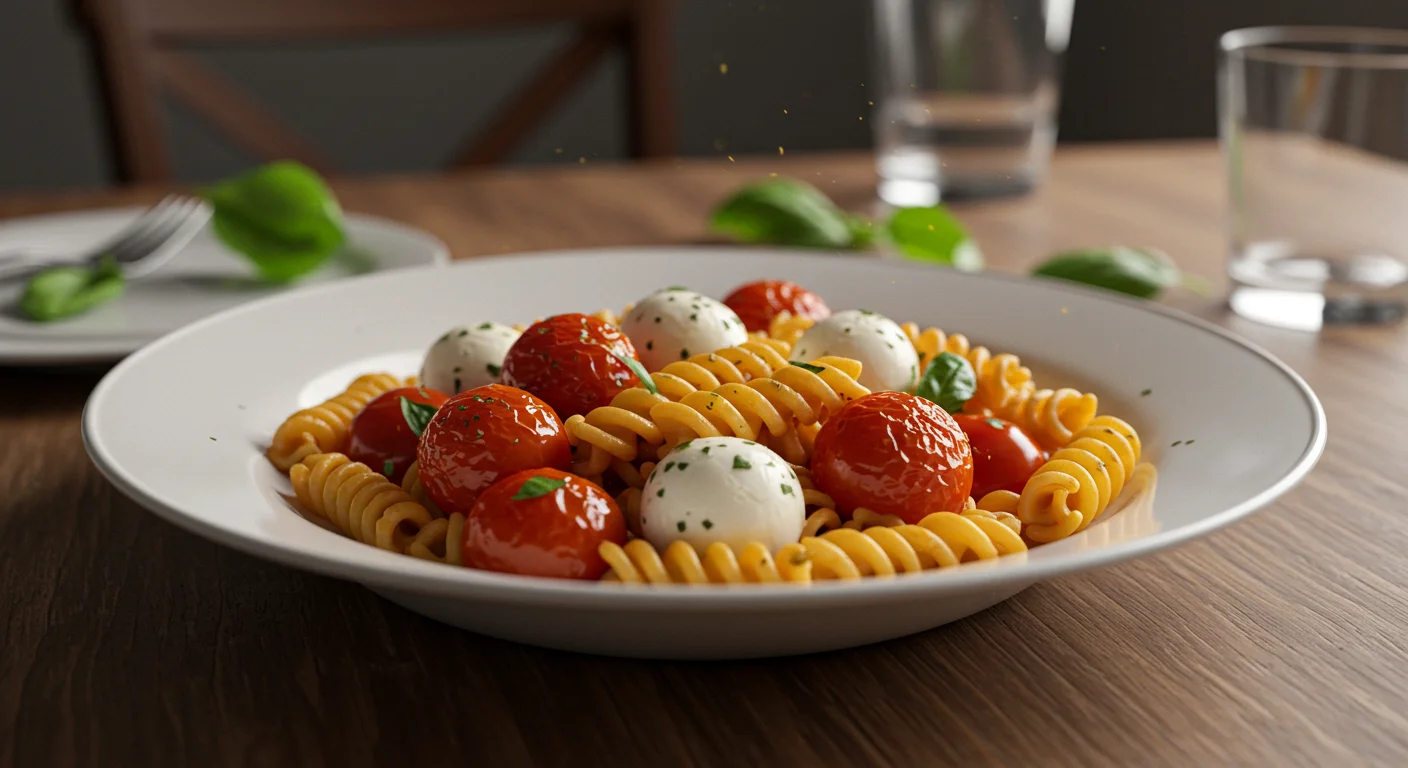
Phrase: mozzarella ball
(722, 489)
(467, 356)
(674, 324)
(888, 360)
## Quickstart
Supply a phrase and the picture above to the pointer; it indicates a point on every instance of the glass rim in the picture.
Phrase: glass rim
(1263, 44)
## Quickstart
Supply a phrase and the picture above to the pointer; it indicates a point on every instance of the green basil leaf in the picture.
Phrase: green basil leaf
(66, 291)
(417, 415)
(933, 234)
(1140, 272)
(807, 366)
(536, 486)
(949, 382)
(282, 216)
(786, 212)
(640, 372)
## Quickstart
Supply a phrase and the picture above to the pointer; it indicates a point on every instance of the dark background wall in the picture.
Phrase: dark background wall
(1135, 69)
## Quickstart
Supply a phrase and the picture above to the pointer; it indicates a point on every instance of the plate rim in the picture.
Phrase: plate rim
(385, 569)
(109, 348)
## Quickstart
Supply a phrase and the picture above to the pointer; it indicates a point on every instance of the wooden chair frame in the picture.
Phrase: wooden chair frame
(141, 49)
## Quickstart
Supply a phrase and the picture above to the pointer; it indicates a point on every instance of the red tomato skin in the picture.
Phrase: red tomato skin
(567, 361)
(483, 434)
(380, 433)
(555, 535)
(1004, 456)
(895, 454)
(757, 303)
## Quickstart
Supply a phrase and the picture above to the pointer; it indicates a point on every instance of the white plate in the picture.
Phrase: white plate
(180, 426)
(204, 278)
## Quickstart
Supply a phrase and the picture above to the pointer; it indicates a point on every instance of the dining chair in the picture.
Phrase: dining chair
(143, 42)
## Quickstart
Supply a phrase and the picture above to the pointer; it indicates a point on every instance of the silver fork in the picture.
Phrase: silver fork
(141, 247)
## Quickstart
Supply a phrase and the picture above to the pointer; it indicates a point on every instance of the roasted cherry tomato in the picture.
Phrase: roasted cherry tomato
(758, 303)
(542, 522)
(567, 360)
(381, 439)
(895, 454)
(1003, 455)
(482, 435)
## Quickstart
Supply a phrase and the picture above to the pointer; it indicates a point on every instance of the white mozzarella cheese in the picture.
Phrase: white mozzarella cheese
(466, 357)
(674, 324)
(888, 360)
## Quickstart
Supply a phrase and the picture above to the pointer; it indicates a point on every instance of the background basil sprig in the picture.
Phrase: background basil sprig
(281, 216)
(1140, 272)
(66, 291)
(790, 212)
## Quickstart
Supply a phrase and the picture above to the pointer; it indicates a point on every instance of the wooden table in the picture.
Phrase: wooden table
(1283, 641)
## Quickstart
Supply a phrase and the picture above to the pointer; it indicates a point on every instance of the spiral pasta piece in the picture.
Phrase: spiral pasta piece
(753, 359)
(440, 540)
(359, 501)
(788, 328)
(791, 395)
(324, 428)
(940, 540)
(639, 563)
(1067, 493)
(1052, 417)
(614, 432)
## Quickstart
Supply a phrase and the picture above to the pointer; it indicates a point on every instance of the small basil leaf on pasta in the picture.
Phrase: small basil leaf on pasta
(807, 366)
(949, 382)
(536, 486)
(67, 291)
(281, 216)
(786, 212)
(1139, 272)
(417, 415)
(639, 371)
(933, 234)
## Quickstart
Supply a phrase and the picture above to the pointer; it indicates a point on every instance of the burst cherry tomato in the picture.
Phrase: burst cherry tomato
(895, 454)
(758, 303)
(381, 439)
(482, 435)
(567, 360)
(1003, 455)
(542, 522)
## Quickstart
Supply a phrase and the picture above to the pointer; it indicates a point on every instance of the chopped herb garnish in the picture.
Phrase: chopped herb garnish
(799, 559)
(808, 367)
(680, 526)
(536, 486)
(660, 494)
(994, 423)
(1188, 442)
(866, 312)
(1176, 443)
(388, 467)
(705, 449)
(485, 326)
(462, 334)
(650, 345)
(213, 440)
(683, 445)
(457, 386)
(684, 353)
(478, 433)
(476, 417)
(677, 288)
(786, 490)
(544, 329)
(708, 524)
(1146, 393)
(741, 463)
(657, 319)
(669, 465)
(682, 465)
(694, 317)
(462, 407)
(848, 330)
(749, 442)
(639, 371)
(492, 369)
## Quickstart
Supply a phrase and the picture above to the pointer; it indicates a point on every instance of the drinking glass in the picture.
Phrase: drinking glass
(1314, 127)
(967, 95)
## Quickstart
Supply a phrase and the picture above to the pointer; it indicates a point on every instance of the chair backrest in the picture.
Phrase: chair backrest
(142, 45)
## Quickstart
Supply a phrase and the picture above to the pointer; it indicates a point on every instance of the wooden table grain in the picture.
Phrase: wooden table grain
(1281, 641)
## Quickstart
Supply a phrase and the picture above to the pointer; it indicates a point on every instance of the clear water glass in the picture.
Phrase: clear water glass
(968, 93)
(1314, 126)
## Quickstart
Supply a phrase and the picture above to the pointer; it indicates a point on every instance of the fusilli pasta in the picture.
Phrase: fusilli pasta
(1067, 493)
(639, 563)
(324, 427)
(359, 501)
